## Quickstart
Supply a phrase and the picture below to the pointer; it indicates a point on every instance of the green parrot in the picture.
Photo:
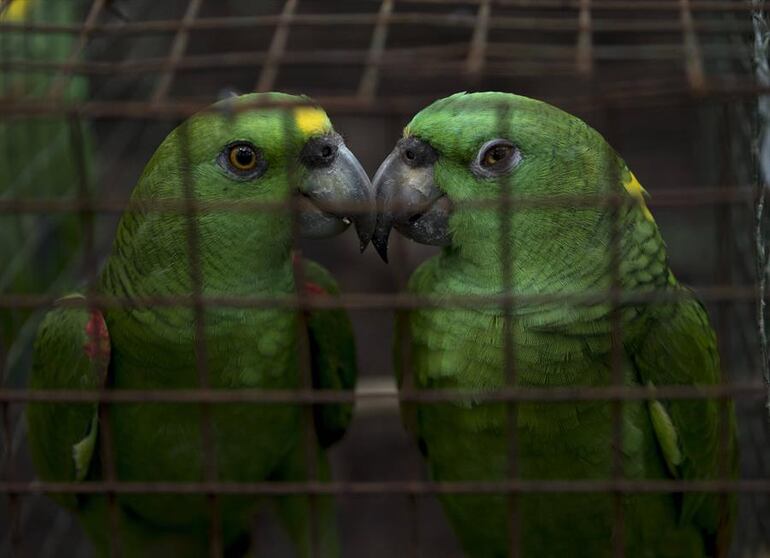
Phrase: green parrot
(38, 251)
(467, 149)
(235, 153)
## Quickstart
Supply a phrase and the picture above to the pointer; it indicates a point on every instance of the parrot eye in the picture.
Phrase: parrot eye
(242, 160)
(495, 158)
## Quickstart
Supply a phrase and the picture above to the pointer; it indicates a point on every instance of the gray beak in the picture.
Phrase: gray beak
(408, 198)
(335, 191)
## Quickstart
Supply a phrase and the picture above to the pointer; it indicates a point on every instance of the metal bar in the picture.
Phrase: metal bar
(208, 443)
(178, 48)
(724, 243)
(584, 54)
(509, 370)
(395, 301)
(744, 391)
(726, 194)
(89, 271)
(428, 19)
(277, 47)
(14, 502)
(668, 93)
(367, 87)
(630, 5)
(617, 354)
(85, 30)
(521, 486)
(305, 364)
(537, 54)
(474, 64)
(693, 60)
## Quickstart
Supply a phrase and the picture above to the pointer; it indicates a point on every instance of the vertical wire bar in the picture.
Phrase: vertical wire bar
(477, 54)
(89, 272)
(107, 451)
(7, 465)
(584, 56)
(367, 87)
(692, 52)
(408, 407)
(14, 500)
(178, 48)
(407, 389)
(415, 548)
(303, 348)
(277, 47)
(507, 256)
(615, 206)
(725, 241)
(61, 80)
(201, 350)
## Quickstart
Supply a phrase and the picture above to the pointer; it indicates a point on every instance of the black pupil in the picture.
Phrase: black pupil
(244, 156)
(497, 154)
(409, 154)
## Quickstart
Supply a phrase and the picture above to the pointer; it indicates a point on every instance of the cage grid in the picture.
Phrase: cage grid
(372, 64)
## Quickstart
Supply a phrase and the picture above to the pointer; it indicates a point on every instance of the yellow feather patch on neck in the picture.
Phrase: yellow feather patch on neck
(16, 11)
(638, 193)
(311, 121)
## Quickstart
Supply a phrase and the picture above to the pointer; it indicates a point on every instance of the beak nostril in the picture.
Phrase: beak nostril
(321, 151)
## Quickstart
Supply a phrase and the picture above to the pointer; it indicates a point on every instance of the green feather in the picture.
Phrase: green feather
(559, 250)
(241, 254)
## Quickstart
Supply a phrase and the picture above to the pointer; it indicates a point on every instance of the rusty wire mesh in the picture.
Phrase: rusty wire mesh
(672, 84)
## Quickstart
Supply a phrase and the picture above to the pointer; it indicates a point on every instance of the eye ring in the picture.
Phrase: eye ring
(495, 158)
(242, 160)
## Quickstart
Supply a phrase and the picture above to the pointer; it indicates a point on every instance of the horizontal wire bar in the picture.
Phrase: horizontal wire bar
(732, 87)
(462, 21)
(393, 59)
(385, 301)
(401, 62)
(674, 198)
(364, 488)
(619, 5)
(554, 394)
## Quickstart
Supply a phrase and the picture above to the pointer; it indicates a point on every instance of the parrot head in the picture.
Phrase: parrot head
(286, 149)
(473, 147)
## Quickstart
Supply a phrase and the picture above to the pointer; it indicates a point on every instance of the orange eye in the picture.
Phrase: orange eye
(496, 154)
(243, 157)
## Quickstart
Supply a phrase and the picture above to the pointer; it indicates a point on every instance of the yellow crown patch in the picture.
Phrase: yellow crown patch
(16, 11)
(311, 121)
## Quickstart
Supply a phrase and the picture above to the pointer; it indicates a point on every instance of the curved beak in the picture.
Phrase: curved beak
(335, 191)
(408, 198)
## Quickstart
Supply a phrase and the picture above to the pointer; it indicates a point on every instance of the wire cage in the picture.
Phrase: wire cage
(678, 87)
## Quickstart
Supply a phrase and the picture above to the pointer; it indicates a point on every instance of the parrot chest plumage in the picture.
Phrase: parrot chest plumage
(244, 348)
(461, 348)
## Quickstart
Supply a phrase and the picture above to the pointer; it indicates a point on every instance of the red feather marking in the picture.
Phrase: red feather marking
(314, 288)
(97, 347)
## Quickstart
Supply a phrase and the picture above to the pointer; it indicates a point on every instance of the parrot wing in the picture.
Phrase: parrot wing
(72, 352)
(333, 355)
(679, 348)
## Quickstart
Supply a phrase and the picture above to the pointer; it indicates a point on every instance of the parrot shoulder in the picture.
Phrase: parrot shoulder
(333, 354)
(72, 352)
(678, 347)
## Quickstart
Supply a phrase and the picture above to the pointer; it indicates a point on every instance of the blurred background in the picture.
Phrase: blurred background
(88, 89)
